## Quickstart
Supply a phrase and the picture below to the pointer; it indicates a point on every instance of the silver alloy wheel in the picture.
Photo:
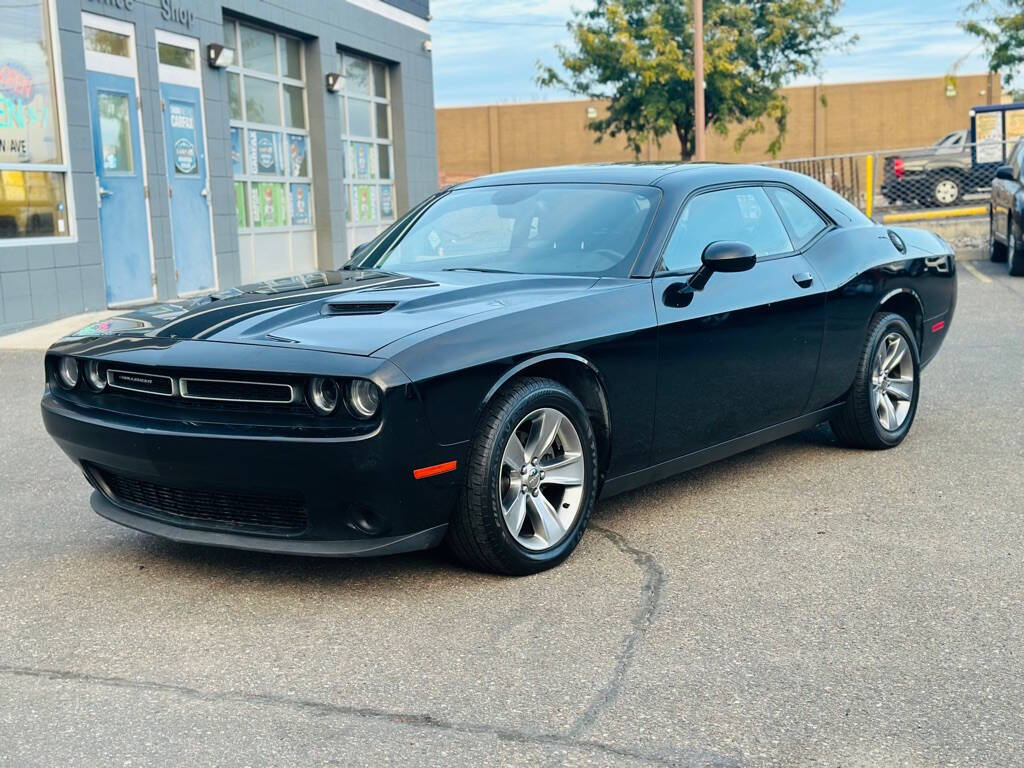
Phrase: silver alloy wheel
(947, 191)
(892, 382)
(541, 479)
(1011, 244)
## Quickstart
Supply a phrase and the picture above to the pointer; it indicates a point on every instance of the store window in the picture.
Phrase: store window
(270, 152)
(369, 155)
(33, 169)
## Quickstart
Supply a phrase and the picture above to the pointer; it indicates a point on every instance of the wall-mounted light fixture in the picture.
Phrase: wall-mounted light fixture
(219, 56)
(334, 82)
(428, 46)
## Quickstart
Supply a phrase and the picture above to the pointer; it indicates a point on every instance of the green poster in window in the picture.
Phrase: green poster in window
(268, 205)
(243, 220)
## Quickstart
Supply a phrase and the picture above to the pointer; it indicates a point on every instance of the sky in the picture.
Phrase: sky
(486, 52)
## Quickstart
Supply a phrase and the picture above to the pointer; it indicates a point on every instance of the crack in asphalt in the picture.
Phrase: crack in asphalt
(323, 708)
(651, 589)
(650, 600)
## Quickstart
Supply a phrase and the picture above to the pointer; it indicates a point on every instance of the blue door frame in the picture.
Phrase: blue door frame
(117, 154)
(185, 145)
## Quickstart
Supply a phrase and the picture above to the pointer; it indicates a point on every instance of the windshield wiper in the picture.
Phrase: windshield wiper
(479, 269)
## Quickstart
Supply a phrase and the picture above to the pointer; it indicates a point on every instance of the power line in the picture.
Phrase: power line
(561, 25)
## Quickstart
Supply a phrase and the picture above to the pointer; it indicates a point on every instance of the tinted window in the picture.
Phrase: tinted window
(743, 213)
(559, 229)
(1015, 157)
(804, 223)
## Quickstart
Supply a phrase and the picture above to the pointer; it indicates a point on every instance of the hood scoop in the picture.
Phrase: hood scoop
(335, 308)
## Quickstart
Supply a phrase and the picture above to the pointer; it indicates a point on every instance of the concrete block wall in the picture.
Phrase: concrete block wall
(44, 282)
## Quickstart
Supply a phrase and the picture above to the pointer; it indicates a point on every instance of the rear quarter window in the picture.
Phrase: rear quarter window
(803, 221)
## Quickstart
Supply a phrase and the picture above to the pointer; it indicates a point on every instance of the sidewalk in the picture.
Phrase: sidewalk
(42, 336)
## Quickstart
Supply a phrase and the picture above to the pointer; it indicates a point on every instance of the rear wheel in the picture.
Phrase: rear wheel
(996, 250)
(883, 399)
(531, 482)
(946, 190)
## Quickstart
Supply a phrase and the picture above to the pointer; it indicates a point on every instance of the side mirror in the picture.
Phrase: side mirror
(722, 256)
(1004, 172)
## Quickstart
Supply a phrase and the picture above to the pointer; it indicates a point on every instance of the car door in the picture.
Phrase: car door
(1003, 191)
(743, 354)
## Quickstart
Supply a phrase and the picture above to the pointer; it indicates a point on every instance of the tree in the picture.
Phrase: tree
(638, 54)
(999, 24)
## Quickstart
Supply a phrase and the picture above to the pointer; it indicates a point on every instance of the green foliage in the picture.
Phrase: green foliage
(999, 24)
(638, 54)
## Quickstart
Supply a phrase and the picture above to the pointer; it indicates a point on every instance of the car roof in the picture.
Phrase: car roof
(665, 175)
(679, 178)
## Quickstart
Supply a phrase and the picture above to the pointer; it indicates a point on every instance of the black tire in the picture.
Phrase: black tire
(477, 534)
(856, 425)
(996, 250)
(1015, 251)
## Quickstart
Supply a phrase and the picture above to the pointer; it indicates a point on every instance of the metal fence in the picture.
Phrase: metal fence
(891, 185)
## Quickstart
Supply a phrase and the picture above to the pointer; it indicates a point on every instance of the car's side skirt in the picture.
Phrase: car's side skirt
(704, 456)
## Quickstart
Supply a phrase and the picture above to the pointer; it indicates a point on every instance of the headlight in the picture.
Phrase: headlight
(323, 394)
(95, 376)
(363, 398)
(67, 372)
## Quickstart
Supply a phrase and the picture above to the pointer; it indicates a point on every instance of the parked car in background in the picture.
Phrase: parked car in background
(1006, 213)
(505, 354)
(938, 175)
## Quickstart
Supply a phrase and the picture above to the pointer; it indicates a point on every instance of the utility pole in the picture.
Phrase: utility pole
(698, 80)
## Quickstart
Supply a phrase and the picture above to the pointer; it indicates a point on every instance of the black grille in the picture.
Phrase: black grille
(278, 514)
(138, 381)
(238, 391)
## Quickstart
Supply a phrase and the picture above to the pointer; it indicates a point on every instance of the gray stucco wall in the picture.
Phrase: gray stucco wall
(39, 283)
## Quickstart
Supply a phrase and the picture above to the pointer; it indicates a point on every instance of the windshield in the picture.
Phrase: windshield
(561, 229)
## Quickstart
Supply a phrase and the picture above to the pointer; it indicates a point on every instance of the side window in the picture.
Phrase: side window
(741, 213)
(804, 222)
(1015, 157)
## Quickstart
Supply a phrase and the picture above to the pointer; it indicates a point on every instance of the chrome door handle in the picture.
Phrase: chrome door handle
(803, 279)
(104, 192)
(205, 192)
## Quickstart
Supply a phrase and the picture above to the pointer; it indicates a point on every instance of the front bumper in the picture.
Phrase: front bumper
(358, 494)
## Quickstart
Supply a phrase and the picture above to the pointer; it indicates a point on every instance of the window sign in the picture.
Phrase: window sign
(263, 153)
(268, 205)
(300, 204)
(237, 164)
(297, 155)
(387, 208)
(183, 137)
(361, 161)
(28, 128)
(364, 203)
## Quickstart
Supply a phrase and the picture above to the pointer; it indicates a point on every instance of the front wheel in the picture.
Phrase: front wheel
(883, 399)
(531, 481)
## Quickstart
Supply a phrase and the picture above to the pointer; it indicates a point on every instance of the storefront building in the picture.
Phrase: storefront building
(157, 149)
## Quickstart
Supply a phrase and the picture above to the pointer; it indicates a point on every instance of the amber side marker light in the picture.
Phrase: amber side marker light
(437, 469)
(938, 326)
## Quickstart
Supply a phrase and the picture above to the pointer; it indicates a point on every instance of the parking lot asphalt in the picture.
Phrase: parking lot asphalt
(798, 604)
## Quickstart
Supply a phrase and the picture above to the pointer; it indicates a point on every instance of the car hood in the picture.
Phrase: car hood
(353, 312)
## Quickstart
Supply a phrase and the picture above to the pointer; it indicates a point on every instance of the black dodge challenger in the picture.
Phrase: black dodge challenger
(510, 351)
